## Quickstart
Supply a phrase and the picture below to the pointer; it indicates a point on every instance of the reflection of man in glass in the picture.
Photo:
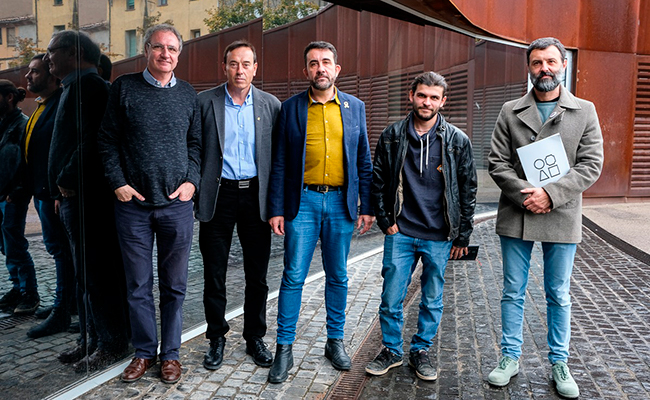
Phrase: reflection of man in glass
(150, 144)
(36, 148)
(82, 196)
(423, 195)
(550, 215)
(237, 120)
(321, 169)
(23, 297)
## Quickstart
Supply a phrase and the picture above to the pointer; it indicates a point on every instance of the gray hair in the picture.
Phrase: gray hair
(430, 79)
(75, 39)
(323, 46)
(164, 28)
(544, 43)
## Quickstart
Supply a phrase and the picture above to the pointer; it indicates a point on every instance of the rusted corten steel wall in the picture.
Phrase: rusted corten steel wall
(609, 35)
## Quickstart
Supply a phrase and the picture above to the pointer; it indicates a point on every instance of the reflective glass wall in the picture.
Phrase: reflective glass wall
(379, 57)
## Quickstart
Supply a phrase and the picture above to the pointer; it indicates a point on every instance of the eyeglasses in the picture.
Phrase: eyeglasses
(159, 48)
(53, 49)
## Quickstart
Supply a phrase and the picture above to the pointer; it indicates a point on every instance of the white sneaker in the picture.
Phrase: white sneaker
(507, 368)
(564, 382)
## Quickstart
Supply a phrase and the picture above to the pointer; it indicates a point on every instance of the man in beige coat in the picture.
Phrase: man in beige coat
(550, 215)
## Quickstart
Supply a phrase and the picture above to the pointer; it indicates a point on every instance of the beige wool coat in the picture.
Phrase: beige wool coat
(519, 124)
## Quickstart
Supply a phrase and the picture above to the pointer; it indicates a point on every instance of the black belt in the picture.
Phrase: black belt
(242, 184)
(323, 188)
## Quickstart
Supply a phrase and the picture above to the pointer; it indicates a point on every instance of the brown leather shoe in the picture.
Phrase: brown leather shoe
(170, 372)
(136, 369)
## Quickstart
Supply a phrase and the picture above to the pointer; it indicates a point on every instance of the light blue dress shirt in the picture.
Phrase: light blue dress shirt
(155, 82)
(239, 146)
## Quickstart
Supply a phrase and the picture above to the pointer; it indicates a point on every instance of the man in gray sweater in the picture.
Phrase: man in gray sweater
(150, 143)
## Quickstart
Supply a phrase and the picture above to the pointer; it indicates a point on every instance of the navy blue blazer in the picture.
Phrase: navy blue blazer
(39, 149)
(288, 166)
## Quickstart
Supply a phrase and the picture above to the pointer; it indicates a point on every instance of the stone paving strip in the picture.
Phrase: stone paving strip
(239, 378)
(610, 345)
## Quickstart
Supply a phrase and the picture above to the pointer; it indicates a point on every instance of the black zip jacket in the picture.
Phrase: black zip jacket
(459, 174)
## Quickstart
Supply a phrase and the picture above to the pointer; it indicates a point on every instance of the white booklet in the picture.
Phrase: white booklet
(544, 161)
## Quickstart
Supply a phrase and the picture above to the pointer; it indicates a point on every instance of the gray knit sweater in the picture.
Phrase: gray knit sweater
(150, 138)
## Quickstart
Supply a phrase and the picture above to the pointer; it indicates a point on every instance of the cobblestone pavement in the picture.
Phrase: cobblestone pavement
(610, 352)
(312, 375)
(610, 345)
(29, 368)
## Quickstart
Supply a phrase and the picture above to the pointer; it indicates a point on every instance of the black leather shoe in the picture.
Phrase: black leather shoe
(75, 354)
(282, 364)
(43, 312)
(214, 357)
(335, 352)
(99, 359)
(58, 321)
(260, 353)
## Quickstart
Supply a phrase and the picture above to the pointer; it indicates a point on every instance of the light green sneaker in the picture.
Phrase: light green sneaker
(564, 382)
(507, 368)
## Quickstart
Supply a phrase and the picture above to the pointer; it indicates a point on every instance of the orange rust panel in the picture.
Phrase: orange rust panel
(615, 111)
(643, 44)
(609, 25)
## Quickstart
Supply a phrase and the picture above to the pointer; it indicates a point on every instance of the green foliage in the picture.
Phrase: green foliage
(287, 11)
(283, 12)
(26, 49)
(237, 13)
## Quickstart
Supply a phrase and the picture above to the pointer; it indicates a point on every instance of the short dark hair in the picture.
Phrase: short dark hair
(429, 79)
(237, 44)
(324, 46)
(7, 87)
(75, 39)
(165, 28)
(544, 43)
(39, 56)
(106, 66)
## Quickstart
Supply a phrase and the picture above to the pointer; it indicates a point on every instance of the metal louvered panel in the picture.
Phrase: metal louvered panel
(278, 89)
(640, 177)
(348, 84)
(456, 110)
(375, 94)
(487, 105)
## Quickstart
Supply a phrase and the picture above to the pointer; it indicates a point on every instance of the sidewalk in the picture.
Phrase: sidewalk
(610, 347)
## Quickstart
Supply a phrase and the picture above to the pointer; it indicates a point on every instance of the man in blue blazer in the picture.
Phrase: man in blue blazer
(237, 123)
(321, 170)
(36, 148)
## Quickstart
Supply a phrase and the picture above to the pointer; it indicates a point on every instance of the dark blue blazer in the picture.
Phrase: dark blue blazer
(39, 149)
(288, 167)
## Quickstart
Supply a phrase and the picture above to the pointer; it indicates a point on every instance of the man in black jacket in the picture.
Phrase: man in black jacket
(23, 297)
(83, 200)
(423, 193)
(36, 148)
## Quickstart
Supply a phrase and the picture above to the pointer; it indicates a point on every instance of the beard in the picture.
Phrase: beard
(420, 116)
(547, 85)
(316, 84)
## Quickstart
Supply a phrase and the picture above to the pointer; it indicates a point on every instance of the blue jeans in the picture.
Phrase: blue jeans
(558, 265)
(14, 246)
(57, 245)
(172, 227)
(401, 255)
(324, 216)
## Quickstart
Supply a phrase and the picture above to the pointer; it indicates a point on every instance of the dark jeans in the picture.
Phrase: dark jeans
(56, 243)
(172, 227)
(240, 207)
(98, 271)
(14, 246)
